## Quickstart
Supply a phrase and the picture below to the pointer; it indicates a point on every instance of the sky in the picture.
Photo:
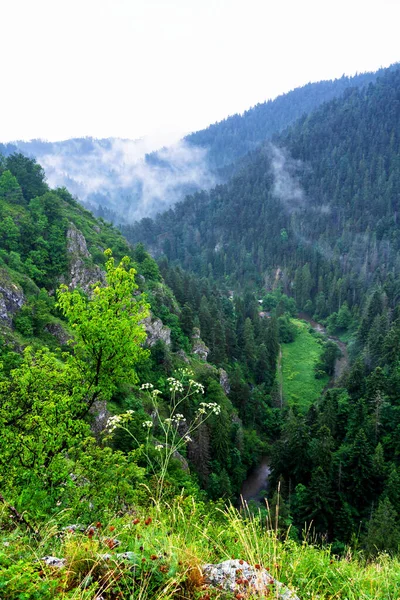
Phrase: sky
(162, 68)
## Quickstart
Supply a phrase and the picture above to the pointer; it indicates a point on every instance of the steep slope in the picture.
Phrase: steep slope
(47, 238)
(324, 193)
(315, 213)
(233, 137)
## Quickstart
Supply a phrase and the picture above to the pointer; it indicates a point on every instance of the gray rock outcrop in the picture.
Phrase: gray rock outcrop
(198, 346)
(239, 577)
(224, 381)
(82, 273)
(58, 332)
(101, 415)
(156, 330)
(11, 298)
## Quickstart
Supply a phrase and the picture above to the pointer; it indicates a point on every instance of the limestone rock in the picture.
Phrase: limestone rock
(82, 273)
(11, 298)
(182, 354)
(73, 528)
(224, 381)
(76, 243)
(239, 577)
(101, 416)
(156, 330)
(199, 346)
(53, 561)
(58, 332)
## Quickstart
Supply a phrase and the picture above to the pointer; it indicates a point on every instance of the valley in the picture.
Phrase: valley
(235, 333)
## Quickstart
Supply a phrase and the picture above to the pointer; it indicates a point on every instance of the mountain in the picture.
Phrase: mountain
(237, 135)
(125, 180)
(264, 345)
(118, 461)
(313, 213)
(323, 193)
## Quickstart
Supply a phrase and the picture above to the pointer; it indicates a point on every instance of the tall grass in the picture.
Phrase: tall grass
(168, 546)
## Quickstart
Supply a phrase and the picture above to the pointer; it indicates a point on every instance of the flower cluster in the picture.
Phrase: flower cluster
(175, 420)
(185, 372)
(209, 406)
(147, 386)
(119, 420)
(175, 385)
(147, 424)
(196, 386)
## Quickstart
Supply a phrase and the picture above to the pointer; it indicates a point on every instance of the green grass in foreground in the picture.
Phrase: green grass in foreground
(300, 387)
(168, 546)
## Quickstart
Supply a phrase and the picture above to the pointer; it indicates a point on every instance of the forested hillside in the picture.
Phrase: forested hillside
(323, 194)
(314, 213)
(237, 135)
(136, 397)
(123, 180)
(48, 239)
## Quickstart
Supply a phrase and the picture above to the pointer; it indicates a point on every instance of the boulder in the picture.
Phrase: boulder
(238, 577)
(53, 561)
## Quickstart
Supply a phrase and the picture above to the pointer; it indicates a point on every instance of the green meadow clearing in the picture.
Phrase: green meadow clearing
(299, 385)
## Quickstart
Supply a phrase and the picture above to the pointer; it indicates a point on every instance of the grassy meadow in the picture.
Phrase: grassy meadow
(299, 385)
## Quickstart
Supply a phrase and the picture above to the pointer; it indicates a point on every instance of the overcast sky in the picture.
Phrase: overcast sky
(129, 68)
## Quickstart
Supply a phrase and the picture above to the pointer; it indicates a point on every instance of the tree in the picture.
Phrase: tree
(344, 317)
(10, 190)
(44, 402)
(250, 349)
(383, 530)
(30, 175)
(108, 330)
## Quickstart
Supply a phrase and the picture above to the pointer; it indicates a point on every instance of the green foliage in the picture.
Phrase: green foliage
(45, 401)
(383, 530)
(107, 330)
(29, 174)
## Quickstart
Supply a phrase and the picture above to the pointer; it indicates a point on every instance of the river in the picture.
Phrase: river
(257, 480)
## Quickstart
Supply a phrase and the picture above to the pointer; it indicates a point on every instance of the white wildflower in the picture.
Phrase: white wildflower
(147, 386)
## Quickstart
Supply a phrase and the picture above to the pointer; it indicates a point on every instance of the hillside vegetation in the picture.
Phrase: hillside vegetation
(314, 215)
(136, 397)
